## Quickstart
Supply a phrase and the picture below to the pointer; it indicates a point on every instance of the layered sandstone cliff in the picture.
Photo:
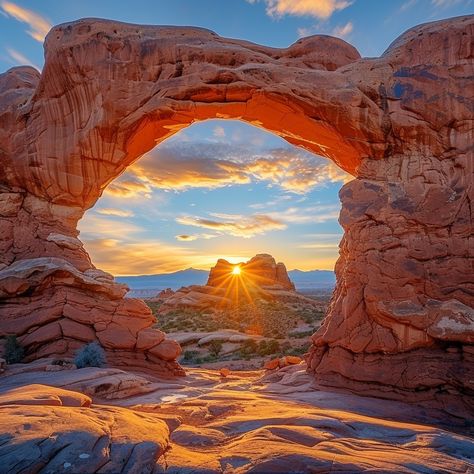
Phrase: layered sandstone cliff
(259, 278)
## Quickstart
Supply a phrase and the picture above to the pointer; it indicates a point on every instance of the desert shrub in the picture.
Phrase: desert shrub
(90, 355)
(273, 347)
(302, 334)
(297, 351)
(190, 356)
(215, 348)
(248, 348)
(14, 353)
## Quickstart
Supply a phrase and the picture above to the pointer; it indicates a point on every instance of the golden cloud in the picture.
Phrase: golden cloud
(39, 25)
(129, 186)
(235, 225)
(205, 165)
(322, 9)
(109, 211)
(186, 237)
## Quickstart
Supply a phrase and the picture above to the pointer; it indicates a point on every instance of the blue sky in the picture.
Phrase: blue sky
(221, 188)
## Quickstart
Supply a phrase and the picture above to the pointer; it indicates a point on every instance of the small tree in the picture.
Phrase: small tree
(14, 353)
(90, 355)
(215, 348)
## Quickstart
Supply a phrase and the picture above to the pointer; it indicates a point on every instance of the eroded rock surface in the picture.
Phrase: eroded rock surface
(208, 423)
(261, 278)
(400, 322)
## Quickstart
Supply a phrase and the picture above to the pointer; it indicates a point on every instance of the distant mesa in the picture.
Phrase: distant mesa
(228, 284)
(260, 272)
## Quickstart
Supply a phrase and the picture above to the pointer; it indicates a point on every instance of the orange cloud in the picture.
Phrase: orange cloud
(186, 237)
(109, 211)
(211, 165)
(235, 225)
(322, 9)
(39, 26)
(129, 186)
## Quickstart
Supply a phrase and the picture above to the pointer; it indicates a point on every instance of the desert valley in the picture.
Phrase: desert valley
(305, 335)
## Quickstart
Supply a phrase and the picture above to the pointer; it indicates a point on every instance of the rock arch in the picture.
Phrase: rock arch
(401, 319)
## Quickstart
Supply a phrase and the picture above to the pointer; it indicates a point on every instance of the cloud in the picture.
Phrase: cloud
(137, 257)
(343, 31)
(235, 225)
(213, 165)
(128, 186)
(408, 4)
(109, 211)
(192, 237)
(219, 131)
(321, 9)
(19, 58)
(308, 215)
(39, 26)
(92, 226)
(322, 28)
(186, 238)
(445, 3)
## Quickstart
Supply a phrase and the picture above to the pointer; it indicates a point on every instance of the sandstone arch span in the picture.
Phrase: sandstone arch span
(401, 319)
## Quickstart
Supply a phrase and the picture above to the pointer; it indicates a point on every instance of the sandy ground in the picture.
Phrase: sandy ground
(256, 422)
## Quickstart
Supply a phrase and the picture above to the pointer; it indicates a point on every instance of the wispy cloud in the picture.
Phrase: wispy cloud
(109, 211)
(129, 185)
(321, 9)
(407, 5)
(39, 25)
(323, 28)
(343, 31)
(235, 225)
(192, 237)
(445, 3)
(186, 237)
(219, 131)
(17, 58)
(308, 215)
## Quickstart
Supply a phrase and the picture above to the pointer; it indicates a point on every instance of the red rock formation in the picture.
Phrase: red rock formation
(261, 277)
(262, 270)
(401, 318)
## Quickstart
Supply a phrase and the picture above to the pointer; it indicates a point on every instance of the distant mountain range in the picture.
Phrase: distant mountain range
(149, 285)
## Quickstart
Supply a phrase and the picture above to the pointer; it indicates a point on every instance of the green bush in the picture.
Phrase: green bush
(190, 356)
(14, 353)
(90, 355)
(215, 348)
(248, 348)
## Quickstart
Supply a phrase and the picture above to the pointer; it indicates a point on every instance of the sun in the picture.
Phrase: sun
(236, 270)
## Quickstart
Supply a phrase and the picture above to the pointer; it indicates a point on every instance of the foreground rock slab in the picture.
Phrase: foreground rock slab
(245, 422)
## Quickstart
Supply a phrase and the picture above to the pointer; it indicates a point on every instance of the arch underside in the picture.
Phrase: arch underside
(401, 319)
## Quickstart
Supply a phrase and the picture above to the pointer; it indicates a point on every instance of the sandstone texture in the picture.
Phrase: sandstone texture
(260, 271)
(57, 433)
(220, 422)
(259, 278)
(400, 322)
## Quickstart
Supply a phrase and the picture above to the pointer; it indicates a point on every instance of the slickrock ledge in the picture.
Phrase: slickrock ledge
(401, 124)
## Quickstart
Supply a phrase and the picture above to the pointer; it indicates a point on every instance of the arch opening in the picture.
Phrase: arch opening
(242, 192)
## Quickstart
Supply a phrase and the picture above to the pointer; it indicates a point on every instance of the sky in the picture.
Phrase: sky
(221, 189)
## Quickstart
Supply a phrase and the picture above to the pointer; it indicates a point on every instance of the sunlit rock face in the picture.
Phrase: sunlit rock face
(260, 271)
(230, 286)
(401, 320)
